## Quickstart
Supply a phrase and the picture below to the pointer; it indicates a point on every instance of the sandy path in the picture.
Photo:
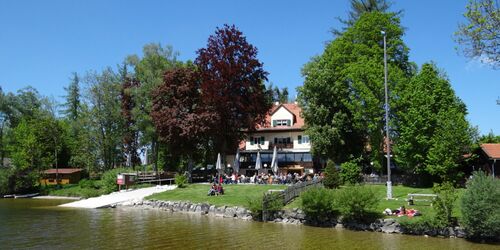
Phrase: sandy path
(118, 197)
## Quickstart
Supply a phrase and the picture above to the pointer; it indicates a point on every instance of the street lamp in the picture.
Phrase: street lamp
(387, 139)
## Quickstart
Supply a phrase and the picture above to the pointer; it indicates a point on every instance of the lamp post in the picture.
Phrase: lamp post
(387, 139)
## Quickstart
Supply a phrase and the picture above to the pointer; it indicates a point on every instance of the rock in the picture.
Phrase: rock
(459, 232)
(211, 210)
(241, 212)
(229, 212)
(277, 220)
(339, 226)
(285, 220)
(388, 229)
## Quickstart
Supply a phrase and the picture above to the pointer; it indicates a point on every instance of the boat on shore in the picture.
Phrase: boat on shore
(8, 196)
(16, 196)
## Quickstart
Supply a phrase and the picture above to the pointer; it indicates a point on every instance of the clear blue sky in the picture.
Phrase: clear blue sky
(42, 42)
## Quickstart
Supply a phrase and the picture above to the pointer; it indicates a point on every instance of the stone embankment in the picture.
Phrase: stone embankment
(293, 216)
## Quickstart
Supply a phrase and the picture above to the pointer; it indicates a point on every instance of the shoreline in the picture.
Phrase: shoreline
(293, 217)
(55, 197)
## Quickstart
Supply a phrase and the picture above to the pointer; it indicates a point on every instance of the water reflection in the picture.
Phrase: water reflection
(38, 224)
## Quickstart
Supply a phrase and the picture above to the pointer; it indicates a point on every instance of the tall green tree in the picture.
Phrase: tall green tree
(360, 7)
(105, 120)
(433, 132)
(343, 93)
(480, 35)
(73, 96)
(149, 72)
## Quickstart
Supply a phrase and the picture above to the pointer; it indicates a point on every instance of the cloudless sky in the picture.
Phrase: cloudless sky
(42, 42)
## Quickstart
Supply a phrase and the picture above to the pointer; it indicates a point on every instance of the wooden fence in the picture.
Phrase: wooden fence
(287, 195)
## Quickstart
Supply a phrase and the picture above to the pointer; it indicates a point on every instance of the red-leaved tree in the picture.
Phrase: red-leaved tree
(130, 134)
(177, 113)
(232, 87)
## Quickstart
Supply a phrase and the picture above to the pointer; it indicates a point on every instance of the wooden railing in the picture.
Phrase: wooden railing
(280, 145)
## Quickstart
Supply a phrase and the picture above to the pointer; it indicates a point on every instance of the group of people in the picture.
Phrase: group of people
(402, 211)
(216, 190)
(263, 178)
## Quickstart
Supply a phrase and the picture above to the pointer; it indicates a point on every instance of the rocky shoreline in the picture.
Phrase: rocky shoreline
(294, 216)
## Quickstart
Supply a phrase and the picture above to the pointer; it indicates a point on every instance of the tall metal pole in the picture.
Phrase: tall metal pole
(387, 139)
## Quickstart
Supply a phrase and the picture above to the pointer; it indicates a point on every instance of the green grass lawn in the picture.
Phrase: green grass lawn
(234, 195)
(400, 194)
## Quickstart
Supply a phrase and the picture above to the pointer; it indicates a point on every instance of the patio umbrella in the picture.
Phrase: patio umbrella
(218, 165)
(274, 162)
(236, 164)
(258, 162)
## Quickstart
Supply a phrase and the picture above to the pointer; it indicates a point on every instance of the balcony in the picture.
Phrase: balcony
(280, 145)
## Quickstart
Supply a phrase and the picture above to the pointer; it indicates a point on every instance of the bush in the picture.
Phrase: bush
(108, 179)
(318, 204)
(255, 205)
(423, 225)
(480, 207)
(350, 173)
(443, 204)
(86, 183)
(357, 204)
(5, 176)
(181, 180)
(332, 178)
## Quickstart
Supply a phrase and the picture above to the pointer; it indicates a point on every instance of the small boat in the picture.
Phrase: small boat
(8, 196)
(25, 195)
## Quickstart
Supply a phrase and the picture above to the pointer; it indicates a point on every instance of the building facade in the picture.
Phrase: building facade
(283, 129)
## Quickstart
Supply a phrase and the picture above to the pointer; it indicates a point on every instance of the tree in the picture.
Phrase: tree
(73, 99)
(480, 204)
(433, 132)
(360, 7)
(105, 116)
(480, 36)
(332, 177)
(343, 94)
(130, 132)
(178, 114)
(149, 71)
(232, 86)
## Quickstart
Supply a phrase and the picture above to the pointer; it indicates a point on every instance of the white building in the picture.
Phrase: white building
(283, 129)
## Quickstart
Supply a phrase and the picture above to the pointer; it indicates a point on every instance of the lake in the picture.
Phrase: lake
(36, 223)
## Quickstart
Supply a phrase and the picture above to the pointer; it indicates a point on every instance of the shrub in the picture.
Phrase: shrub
(181, 180)
(255, 205)
(86, 183)
(480, 205)
(357, 203)
(5, 177)
(332, 178)
(443, 204)
(108, 179)
(350, 173)
(423, 225)
(89, 192)
(318, 204)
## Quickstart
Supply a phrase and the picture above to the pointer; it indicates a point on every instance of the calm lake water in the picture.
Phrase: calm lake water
(32, 223)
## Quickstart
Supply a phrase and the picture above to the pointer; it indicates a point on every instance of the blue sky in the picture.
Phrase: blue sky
(42, 42)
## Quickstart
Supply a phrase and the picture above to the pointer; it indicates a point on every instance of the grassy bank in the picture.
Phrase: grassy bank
(238, 195)
(234, 195)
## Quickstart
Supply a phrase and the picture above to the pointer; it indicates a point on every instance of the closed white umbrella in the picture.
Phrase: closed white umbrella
(218, 164)
(258, 162)
(274, 162)
(236, 164)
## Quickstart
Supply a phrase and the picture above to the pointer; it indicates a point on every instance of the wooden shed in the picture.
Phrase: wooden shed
(64, 176)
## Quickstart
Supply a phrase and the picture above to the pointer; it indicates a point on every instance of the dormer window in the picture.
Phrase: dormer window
(281, 123)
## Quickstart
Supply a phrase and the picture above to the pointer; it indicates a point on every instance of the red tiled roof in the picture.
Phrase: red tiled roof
(293, 108)
(62, 170)
(492, 150)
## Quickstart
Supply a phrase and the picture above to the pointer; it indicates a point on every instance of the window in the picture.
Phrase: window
(257, 140)
(281, 123)
(305, 139)
(285, 140)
